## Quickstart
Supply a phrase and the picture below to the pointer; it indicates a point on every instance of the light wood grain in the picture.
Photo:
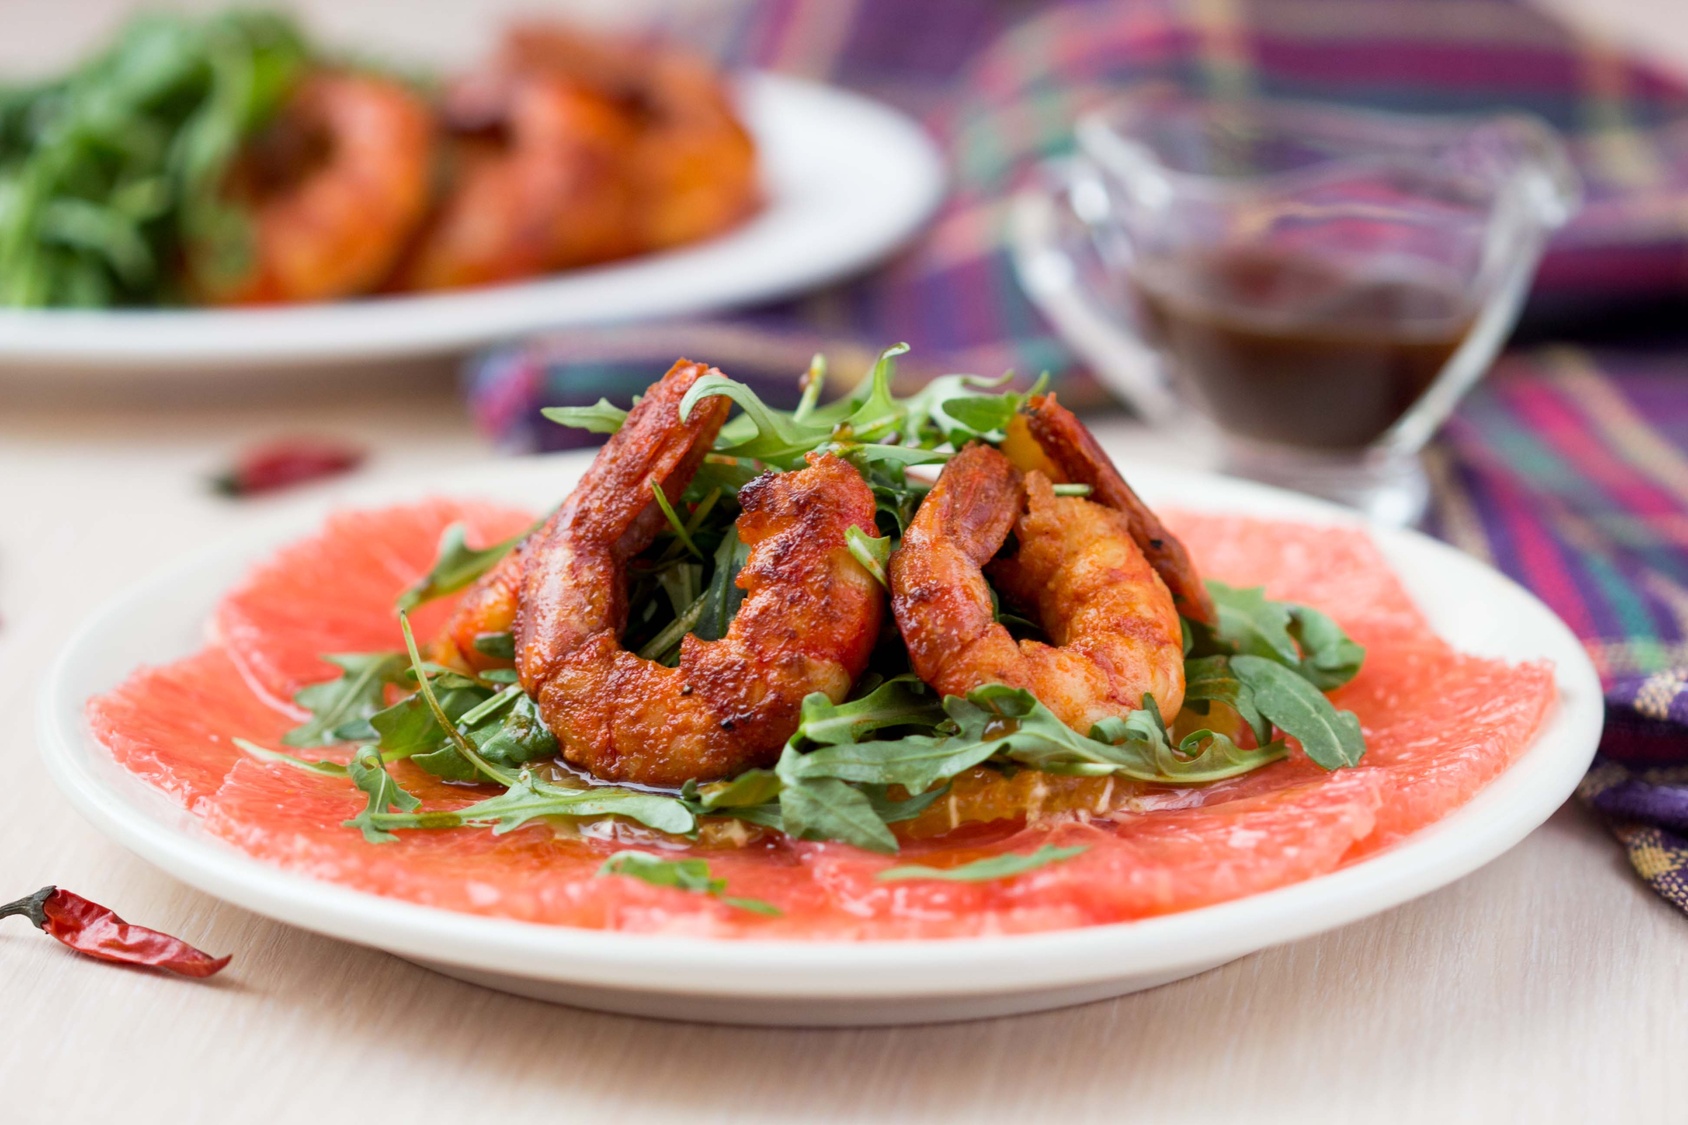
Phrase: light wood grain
(1546, 987)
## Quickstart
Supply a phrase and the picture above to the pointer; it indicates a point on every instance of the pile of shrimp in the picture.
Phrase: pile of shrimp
(564, 150)
(1100, 574)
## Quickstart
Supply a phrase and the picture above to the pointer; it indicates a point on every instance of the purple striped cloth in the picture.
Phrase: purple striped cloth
(1569, 470)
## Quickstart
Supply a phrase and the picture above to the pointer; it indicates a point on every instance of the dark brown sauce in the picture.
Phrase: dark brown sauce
(1294, 349)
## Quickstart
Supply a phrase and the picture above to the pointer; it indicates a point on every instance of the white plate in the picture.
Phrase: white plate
(824, 983)
(847, 180)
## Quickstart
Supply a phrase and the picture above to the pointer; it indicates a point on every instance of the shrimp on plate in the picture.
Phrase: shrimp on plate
(1116, 635)
(809, 620)
(1048, 437)
(538, 182)
(334, 189)
(692, 166)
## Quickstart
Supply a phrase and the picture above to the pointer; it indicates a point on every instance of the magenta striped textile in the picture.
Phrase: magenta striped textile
(1568, 470)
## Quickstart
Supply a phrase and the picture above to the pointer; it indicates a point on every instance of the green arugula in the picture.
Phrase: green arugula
(527, 799)
(499, 646)
(602, 417)
(113, 173)
(984, 870)
(681, 874)
(854, 769)
(1298, 637)
(370, 775)
(1331, 738)
(874, 553)
(455, 566)
(321, 766)
(345, 702)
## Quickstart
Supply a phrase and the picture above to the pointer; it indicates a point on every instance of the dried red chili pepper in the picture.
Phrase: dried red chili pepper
(90, 928)
(281, 464)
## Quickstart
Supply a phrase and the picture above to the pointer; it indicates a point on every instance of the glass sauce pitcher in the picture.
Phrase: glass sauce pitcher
(1320, 284)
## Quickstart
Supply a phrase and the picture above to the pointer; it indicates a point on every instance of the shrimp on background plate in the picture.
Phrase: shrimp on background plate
(334, 188)
(1077, 567)
(692, 167)
(538, 180)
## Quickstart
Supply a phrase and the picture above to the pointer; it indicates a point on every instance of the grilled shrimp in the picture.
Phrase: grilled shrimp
(334, 189)
(808, 623)
(1078, 568)
(692, 167)
(1048, 437)
(489, 606)
(540, 183)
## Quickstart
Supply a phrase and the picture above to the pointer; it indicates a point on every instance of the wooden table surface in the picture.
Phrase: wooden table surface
(1547, 987)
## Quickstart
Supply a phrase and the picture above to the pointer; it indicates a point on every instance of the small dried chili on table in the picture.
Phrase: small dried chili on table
(90, 928)
(282, 464)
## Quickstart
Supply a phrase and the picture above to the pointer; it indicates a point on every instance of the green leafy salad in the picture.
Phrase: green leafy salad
(853, 769)
(108, 172)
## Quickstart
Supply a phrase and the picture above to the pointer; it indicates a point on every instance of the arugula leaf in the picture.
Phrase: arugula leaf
(724, 474)
(1297, 636)
(901, 701)
(528, 799)
(878, 412)
(356, 694)
(775, 438)
(1137, 746)
(499, 646)
(455, 566)
(1209, 679)
(446, 722)
(827, 809)
(505, 728)
(1249, 623)
(983, 870)
(602, 417)
(750, 788)
(682, 874)
(1329, 659)
(674, 522)
(1331, 738)
(722, 599)
(873, 553)
(409, 727)
(321, 766)
(369, 774)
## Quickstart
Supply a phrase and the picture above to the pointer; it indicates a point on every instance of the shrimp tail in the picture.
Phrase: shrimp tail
(1075, 453)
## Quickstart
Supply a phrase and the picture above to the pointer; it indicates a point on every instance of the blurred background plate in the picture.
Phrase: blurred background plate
(847, 180)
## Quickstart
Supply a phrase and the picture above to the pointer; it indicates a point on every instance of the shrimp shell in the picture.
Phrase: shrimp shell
(1117, 635)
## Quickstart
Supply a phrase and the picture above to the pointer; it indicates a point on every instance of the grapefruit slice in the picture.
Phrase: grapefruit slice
(1439, 726)
(334, 592)
(172, 725)
(1336, 569)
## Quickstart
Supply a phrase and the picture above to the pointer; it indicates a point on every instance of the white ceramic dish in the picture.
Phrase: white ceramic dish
(847, 180)
(823, 983)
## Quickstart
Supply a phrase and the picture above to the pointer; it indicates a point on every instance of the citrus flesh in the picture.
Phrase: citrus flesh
(1439, 725)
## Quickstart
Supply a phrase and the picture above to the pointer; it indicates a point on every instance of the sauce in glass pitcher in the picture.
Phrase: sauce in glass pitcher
(1296, 349)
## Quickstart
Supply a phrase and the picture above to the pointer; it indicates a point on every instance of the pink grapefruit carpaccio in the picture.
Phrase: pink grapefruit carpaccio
(1439, 725)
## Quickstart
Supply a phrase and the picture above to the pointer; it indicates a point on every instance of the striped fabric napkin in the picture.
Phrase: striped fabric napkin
(1569, 470)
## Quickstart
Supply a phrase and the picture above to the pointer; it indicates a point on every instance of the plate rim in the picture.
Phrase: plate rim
(408, 326)
(755, 969)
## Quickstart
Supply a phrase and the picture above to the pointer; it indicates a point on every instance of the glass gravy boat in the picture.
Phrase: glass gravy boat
(1319, 284)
